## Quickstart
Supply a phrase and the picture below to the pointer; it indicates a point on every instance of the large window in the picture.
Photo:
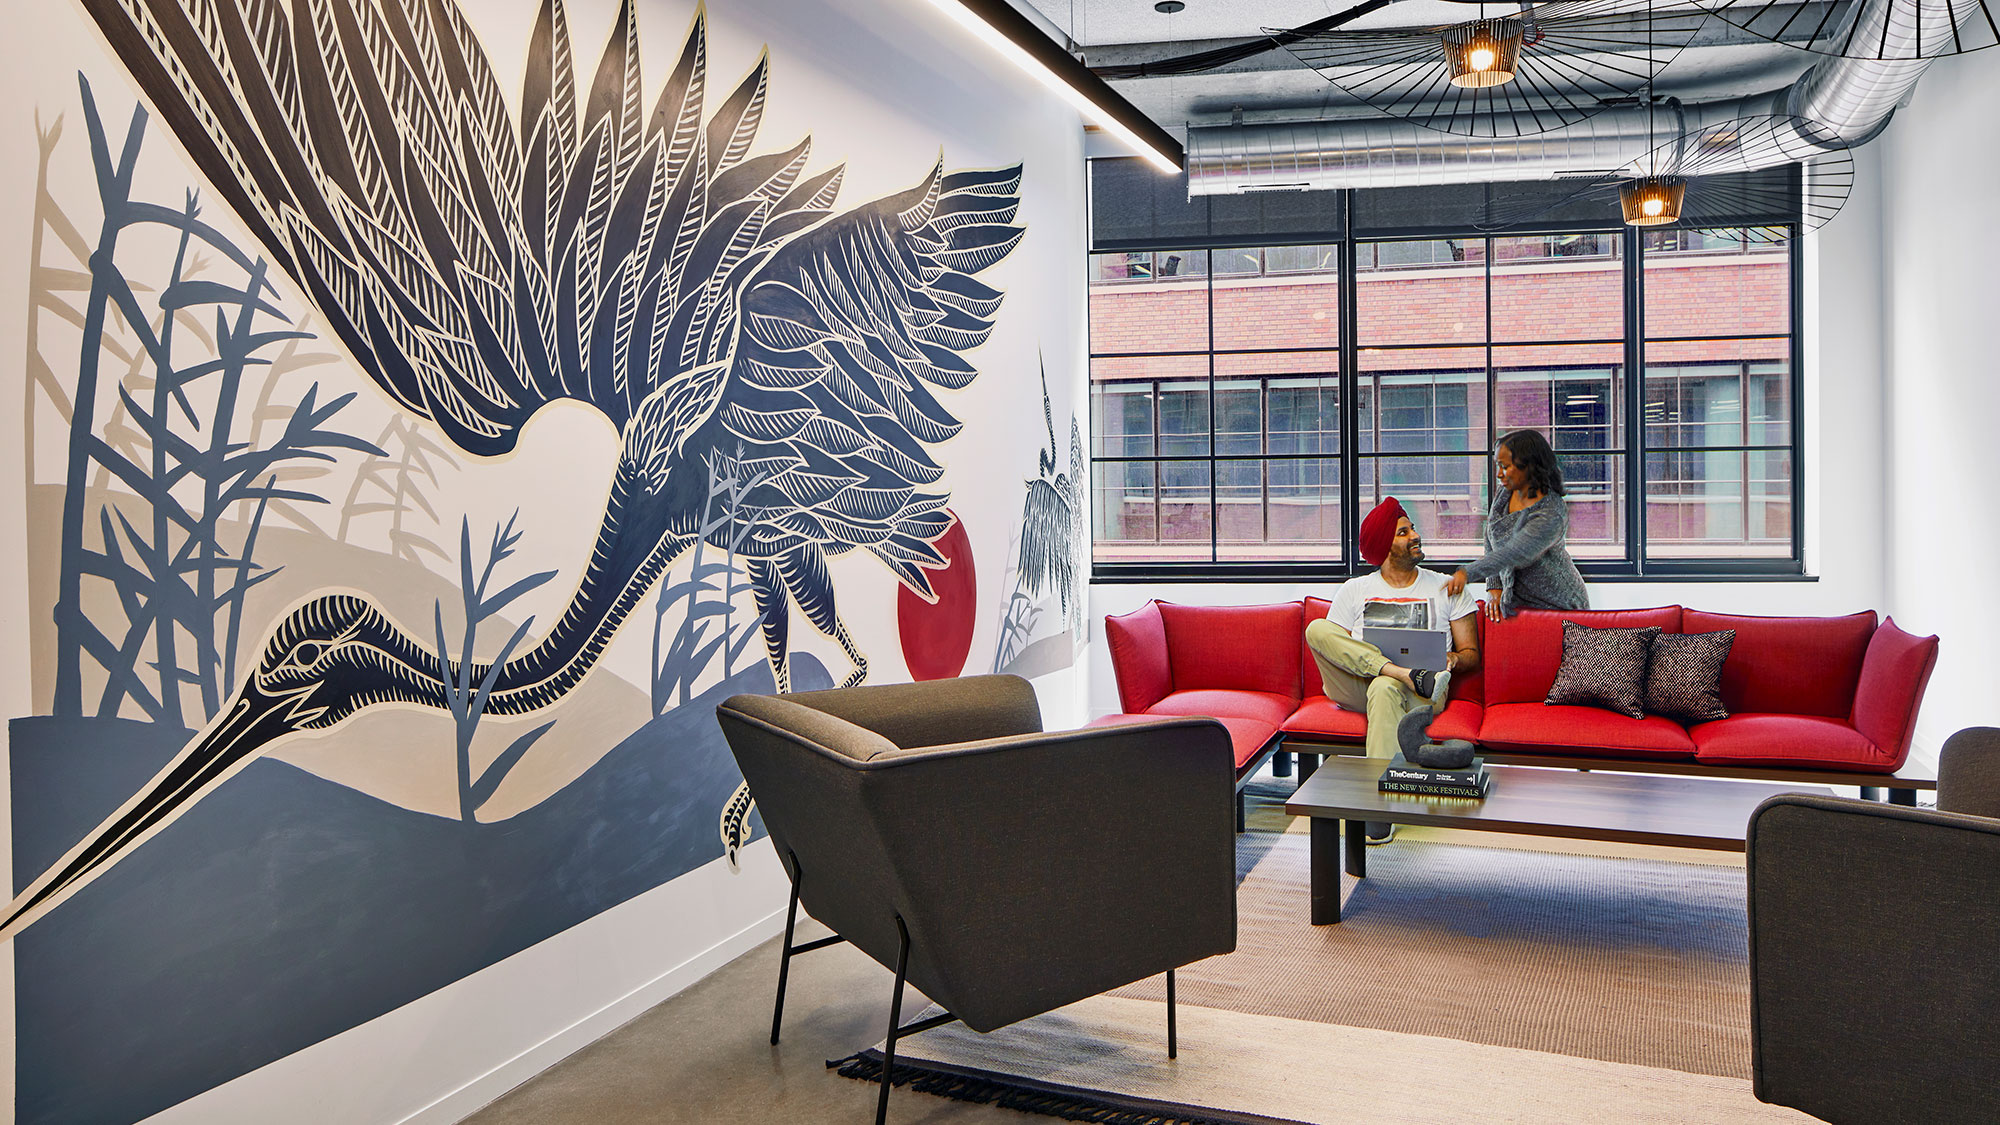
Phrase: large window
(1250, 402)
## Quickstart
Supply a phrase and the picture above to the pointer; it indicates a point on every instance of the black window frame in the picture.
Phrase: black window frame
(1635, 566)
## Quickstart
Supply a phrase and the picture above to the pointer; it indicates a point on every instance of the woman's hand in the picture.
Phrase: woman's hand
(1455, 583)
(1493, 598)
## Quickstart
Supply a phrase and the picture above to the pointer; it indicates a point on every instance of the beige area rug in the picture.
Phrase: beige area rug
(1463, 984)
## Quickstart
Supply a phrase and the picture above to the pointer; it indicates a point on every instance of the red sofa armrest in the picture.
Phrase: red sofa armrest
(1894, 672)
(1138, 643)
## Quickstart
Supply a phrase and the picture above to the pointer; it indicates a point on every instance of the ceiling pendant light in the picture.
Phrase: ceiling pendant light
(1527, 69)
(1652, 201)
(1653, 197)
(1482, 53)
(1769, 178)
(1886, 30)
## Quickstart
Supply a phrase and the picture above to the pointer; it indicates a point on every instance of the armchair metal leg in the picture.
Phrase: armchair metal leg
(1173, 1037)
(785, 957)
(1239, 810)
(1903, 797)
(1281, 764)
(895, 1017)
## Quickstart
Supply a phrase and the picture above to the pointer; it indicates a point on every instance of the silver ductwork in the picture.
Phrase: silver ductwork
(1840, 101)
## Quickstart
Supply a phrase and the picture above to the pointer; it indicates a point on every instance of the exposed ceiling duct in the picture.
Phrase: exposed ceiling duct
(1840, 101)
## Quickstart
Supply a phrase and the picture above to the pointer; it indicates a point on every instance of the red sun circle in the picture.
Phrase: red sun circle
(937, 636)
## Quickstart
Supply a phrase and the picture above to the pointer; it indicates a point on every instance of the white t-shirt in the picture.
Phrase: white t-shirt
(1422, 604)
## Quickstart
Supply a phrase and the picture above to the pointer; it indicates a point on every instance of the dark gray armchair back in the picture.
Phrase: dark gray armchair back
(1969, 772)
(1875, 961)
(1031, 869)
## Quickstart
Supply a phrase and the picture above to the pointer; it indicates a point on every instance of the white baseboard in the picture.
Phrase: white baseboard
(487, 1088)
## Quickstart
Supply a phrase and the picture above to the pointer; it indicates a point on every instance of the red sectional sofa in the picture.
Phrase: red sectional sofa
(1832, 700)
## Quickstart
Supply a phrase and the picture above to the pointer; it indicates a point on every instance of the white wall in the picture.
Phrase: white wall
(886, 86)
(1941, 303)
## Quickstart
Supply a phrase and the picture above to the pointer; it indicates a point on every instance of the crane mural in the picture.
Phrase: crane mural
(707, 300)
(1054, 530)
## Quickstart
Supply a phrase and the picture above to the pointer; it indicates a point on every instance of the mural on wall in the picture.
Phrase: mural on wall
(1041, 622)
(770, 363)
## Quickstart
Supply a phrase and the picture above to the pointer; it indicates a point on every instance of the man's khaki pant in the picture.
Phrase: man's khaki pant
(1350, 669)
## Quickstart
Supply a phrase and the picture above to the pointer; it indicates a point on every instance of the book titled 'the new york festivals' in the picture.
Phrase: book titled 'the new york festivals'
(1402, 777)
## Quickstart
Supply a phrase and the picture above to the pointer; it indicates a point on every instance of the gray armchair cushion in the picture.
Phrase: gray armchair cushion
(816, 729)
(1875, 971)
(1031, 869)
(934, 712)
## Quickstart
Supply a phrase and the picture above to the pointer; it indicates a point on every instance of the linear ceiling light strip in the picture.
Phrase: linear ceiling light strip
(1011, 34)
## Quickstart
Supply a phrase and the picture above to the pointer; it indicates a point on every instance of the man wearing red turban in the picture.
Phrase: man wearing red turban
(1401, 594)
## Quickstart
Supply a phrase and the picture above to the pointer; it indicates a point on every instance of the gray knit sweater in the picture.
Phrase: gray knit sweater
(1526, 556)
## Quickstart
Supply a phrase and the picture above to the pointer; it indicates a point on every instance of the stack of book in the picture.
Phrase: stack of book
(1402, 777)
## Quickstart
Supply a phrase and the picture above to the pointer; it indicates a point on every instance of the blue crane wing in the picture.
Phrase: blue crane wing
(848, 332)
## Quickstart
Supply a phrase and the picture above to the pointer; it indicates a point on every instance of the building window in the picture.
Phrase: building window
(1235, 429)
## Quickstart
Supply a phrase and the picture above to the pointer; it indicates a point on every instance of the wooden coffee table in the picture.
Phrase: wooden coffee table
(1681, 812)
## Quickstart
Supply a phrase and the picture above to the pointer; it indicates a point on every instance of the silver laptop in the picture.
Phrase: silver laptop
(1412, 648)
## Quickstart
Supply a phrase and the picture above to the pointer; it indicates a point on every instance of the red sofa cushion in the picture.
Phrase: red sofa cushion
(1246, 736)
(1314, 609)
(1585, 732)
(1462, 718)
(1894, 673)
(1263, 706)
(1521, 654)
(1320, 717)
(1138, 643)
(1752, 739)
(1244, 647)
(1470, 687)
(1789, 665)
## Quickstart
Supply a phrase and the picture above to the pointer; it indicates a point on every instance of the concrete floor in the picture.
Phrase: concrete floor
(705, 1055)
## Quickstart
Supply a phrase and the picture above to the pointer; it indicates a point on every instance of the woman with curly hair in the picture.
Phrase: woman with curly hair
(1526, 562)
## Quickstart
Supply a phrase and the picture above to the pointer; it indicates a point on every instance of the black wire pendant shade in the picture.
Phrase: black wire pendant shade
(1567, 59)
(1867, 29)
(1771, 176)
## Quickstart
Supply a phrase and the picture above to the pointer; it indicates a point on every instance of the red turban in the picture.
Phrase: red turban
(1378, 530)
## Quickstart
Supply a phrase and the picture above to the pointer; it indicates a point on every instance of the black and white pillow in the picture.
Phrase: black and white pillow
(1684, 678)
(1604, 668)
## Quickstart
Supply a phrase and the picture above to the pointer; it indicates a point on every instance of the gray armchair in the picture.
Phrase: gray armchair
(1003, 871)
(1875, 949)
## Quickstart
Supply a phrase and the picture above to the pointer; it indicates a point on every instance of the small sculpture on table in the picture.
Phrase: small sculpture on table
(1451, 768)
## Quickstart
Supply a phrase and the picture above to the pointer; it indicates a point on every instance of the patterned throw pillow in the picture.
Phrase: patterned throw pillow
(1604, 668)
(1684, 680)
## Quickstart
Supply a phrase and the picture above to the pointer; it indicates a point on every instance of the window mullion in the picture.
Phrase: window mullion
(1635, 394)
(1264, 453)
(1795, 428)
(1214, 507)
(1350, 387)
(1493, 387)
